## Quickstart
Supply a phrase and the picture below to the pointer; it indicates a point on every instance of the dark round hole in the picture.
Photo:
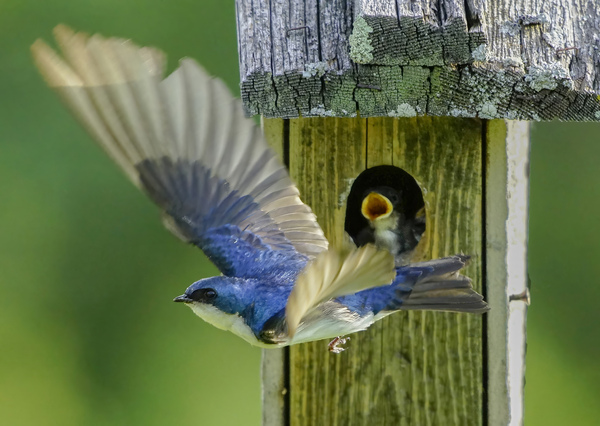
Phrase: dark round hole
(400, 234)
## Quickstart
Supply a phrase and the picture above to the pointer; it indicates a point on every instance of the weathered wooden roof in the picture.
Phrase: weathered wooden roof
(519, 59)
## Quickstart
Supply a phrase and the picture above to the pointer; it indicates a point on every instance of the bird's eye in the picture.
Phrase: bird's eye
(203, 295)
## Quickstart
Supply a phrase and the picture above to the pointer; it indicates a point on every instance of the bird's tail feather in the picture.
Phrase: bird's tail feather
(444, 289)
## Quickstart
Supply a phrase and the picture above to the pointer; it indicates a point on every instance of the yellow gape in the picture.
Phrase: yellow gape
(376, 206)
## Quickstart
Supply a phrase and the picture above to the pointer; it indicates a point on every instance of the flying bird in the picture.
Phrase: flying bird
(185, 142)
(385, 207)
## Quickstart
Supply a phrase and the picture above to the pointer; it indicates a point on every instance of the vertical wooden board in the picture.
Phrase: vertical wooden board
(496, 270)
(507, 187)
(325, 154)
(274, 130)
(411, 368)
(380, 147)
(274, 361)
(445, 157)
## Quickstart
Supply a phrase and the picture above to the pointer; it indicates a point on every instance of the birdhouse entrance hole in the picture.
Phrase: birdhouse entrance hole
(386, 207)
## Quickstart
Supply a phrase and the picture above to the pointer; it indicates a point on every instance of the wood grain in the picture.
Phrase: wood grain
(514, 59)
(412, 368)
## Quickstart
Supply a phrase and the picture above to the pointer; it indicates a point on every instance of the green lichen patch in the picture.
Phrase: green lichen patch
(539, 78)
(480, 53)
(403, 110)
(488, 110)
(361, 50)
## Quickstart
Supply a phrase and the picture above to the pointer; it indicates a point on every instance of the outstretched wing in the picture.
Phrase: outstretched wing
(185, 141)
(332, 274)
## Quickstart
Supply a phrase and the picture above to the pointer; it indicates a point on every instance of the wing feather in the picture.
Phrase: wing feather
(184, 140)
(332, 274)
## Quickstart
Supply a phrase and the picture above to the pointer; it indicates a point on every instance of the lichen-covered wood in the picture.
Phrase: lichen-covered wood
(515, 59)
(412, 368)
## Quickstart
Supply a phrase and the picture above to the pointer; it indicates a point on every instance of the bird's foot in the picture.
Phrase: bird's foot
(335, 345)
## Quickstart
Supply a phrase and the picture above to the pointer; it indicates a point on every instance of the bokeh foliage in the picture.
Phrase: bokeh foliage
(87, 332)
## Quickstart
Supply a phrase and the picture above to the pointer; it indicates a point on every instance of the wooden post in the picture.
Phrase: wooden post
(478, 63)
(507, 186)
(412, 367)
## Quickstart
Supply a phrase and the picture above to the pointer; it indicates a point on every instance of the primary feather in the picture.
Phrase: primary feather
(184, 140)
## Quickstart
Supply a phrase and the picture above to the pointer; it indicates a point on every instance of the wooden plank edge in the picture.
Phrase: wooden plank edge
(507, 189)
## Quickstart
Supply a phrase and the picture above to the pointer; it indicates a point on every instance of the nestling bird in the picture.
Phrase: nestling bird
(385, 207)
(185, 142)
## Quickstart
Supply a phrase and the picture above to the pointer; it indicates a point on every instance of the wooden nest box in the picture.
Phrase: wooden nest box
(443, 90)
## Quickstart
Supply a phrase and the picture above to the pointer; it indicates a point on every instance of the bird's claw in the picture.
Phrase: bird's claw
(335, 345)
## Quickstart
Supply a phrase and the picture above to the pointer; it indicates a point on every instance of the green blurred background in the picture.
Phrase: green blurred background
(87, 332)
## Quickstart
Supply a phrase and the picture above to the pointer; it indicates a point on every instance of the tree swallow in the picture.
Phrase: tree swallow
(185, 142)
(385, 207)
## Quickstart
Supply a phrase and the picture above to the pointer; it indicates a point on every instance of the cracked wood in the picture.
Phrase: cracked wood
(515, 59)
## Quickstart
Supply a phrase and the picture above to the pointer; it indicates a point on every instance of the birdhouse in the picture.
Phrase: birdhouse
(443, 91)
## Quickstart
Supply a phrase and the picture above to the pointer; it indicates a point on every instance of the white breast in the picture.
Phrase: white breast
(326, 321)
(224, 321)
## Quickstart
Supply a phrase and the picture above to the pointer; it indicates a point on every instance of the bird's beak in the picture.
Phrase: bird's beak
(183, 298)
(376, 206)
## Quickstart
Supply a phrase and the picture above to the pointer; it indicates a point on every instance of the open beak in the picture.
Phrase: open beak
(183, 298)
(376, 206)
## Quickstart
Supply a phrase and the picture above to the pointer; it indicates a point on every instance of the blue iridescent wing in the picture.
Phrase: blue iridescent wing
(184, 141)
